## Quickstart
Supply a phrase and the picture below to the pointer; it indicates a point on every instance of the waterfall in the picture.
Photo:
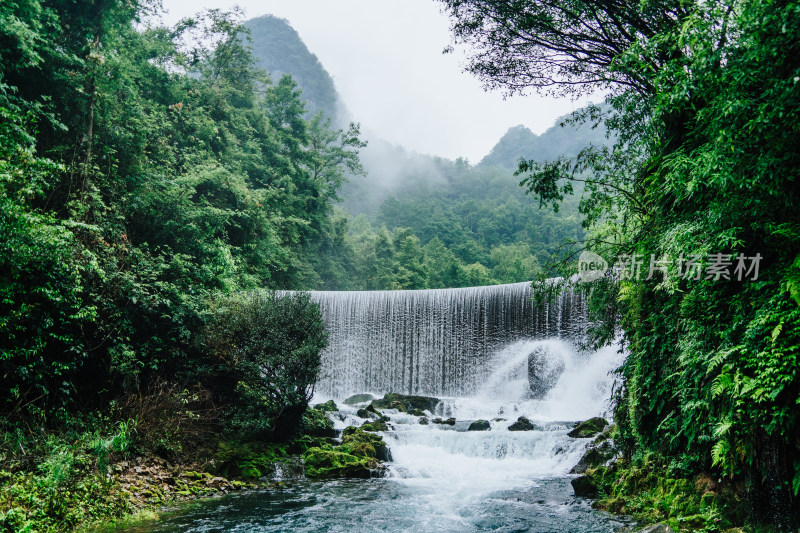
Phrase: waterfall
(438, 342)
(486, 353)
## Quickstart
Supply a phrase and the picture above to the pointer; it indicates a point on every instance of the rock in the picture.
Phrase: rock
(449, 421)
(589, 428)
(584, 487)
(499, 419)
(522, 424)
(376, 441)
(381, 450)
(543, 372)
(480, 425)
(328, 406)
(405, 403)
(607, 433)
(416, 412)
(595, 455)
(363, 413)
(326, 463)
(358, 398)
(378, 425)
(358, 456)
(424, 421)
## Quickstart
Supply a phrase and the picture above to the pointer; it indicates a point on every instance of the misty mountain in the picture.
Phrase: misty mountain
(278, 49)
(469, 208)
(520, 142)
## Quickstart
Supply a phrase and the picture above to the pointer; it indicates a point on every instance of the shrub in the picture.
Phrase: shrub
(263, 357)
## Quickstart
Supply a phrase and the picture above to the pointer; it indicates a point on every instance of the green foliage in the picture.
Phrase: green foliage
(704, 102)
(175, 171)
(263, 358)
(651, 494)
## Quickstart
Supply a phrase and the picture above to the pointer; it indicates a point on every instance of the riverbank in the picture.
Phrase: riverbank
(71, 490)
(31, 501)
(647, 492)
(70, 481)
(70, 484)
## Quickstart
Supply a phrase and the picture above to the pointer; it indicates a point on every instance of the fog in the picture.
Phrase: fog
(387, 64)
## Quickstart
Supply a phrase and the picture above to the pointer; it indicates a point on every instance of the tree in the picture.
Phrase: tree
(513, 263)
(263, 357)
(568, 47)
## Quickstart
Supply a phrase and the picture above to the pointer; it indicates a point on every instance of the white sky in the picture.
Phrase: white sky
(386, 60)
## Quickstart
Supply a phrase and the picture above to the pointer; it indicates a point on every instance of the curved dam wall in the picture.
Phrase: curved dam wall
(438, 342)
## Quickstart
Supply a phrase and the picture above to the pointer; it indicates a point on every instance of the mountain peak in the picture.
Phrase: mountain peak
(520, 142)
(279, 49)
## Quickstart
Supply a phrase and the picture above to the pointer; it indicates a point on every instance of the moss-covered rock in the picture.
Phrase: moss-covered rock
(448, 422)
(649, 492)
(522, 424)
(596, 455)
(424, 421)
(358, 398)
(378, 425)
(246, 460)
(588, 428)
(369, 415)
(480, 425)
(327, 462)
(358, 456)
(329, 406)
(405, 403)
(353, 435)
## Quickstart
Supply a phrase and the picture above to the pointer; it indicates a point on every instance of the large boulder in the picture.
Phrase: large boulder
(522, 424)
(544, 369)
(358, 456)
(596, 455)
(588, 428)
(584, 487)
(358, 398)
(406, 403)
(378, 425)
(328, 462)
(480, 425)
(359, 436)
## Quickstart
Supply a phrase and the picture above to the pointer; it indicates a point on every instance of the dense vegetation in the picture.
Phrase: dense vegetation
(704, 98)
(149, 178)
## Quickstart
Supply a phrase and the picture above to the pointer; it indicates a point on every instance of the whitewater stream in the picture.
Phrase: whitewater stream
(486, 353)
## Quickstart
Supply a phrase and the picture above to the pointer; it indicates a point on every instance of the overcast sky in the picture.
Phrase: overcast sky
(386, 60)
